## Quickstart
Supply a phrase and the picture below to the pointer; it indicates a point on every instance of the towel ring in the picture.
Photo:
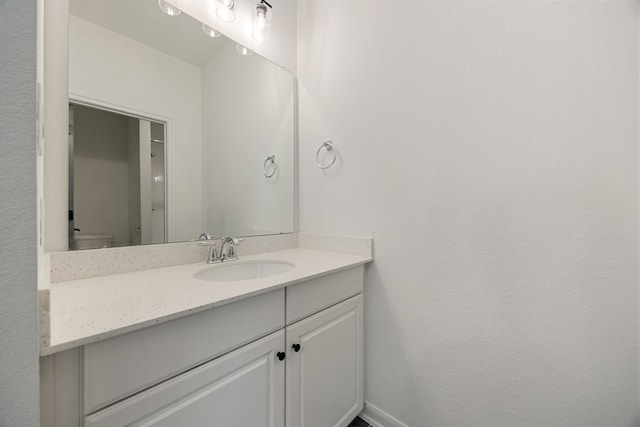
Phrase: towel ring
(265, 166)
(328, 145)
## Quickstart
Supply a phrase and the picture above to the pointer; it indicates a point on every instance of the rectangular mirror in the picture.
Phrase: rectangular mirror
(224, 121)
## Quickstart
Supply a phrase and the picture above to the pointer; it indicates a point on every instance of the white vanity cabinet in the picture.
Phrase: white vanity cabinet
(119, 367)
(324, 367)
(240, 389)
(325, 350)
(290, 357)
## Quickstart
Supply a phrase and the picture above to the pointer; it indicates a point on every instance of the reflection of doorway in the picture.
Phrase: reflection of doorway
(157, 184)
(117, 179)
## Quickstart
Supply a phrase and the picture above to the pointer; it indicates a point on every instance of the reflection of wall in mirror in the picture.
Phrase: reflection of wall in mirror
(248, 111)
(121, 72)
(158, 85)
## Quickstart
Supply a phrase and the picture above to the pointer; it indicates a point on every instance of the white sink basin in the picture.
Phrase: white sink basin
(243, 270)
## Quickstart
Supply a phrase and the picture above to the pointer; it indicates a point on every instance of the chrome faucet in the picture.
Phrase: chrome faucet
(230, 244)
(227, 248)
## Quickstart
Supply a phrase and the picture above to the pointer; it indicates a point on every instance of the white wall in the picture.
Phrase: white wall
(490, 149)
(18, 307)
(53, 130)
(155, 85)
(247, 107)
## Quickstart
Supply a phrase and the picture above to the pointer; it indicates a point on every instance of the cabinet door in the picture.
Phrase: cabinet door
(240, 389)
(325, 374)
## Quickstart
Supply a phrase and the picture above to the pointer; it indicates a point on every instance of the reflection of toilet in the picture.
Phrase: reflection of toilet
(92, 241)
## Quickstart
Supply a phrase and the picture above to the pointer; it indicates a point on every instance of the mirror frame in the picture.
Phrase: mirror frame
(123, 111)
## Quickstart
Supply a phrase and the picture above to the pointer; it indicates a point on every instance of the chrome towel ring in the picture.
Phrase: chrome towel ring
(265, 166)
(328, 145)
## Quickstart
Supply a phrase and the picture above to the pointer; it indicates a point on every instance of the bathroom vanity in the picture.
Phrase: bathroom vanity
(151, 335)
(161, 347)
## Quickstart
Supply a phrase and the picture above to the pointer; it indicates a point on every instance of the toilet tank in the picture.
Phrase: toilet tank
(92, 241)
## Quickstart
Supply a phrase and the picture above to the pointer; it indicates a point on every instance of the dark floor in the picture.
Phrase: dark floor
(358, 422)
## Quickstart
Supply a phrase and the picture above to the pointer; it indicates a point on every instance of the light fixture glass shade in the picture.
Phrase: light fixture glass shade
(243, 50)
(210, 31)
(261, 23)
(169, 9)
(225, 9)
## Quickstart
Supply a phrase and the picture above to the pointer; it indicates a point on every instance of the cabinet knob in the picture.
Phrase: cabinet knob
(296, 347)
(281, 355)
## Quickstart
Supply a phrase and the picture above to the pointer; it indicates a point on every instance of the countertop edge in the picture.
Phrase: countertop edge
(46, 350)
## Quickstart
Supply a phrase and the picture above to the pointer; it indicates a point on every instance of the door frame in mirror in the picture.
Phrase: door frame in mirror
(130, 112)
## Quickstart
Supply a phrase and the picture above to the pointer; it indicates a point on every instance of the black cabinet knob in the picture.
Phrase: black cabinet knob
(296, 347)
(280, 355)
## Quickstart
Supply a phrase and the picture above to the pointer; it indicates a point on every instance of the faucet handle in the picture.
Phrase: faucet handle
(229, 243)
(206, 239)
(231, 240)
(213, 257)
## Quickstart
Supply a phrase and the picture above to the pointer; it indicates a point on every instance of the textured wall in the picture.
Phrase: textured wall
(18, 308)
(490, 148)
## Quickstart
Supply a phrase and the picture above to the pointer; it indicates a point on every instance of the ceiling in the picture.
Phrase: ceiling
(142, 20)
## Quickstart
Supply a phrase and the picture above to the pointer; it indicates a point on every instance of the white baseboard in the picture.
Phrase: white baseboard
(378, 418)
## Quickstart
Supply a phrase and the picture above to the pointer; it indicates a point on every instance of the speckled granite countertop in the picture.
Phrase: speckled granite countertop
(92, 309)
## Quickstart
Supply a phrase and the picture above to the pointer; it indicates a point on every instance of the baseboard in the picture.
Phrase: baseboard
(378, 418)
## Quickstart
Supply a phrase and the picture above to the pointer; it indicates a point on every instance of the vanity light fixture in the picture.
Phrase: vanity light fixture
(243, 50)
(261, 22)
(225, 9)
(169, 9)
(210, 31)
